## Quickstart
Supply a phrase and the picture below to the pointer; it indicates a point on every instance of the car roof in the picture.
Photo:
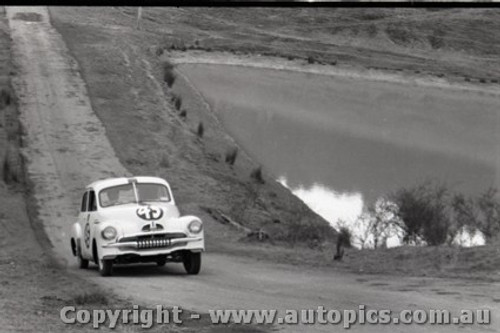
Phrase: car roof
(104, 183)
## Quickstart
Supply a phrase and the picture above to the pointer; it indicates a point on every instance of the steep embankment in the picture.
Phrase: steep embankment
(149, 136)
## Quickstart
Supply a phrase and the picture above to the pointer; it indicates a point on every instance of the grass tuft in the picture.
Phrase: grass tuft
(93, 298)
(178, 102)
(165, 162)
(256, 174)
(168, 73)
(201, 130)
(231, 155)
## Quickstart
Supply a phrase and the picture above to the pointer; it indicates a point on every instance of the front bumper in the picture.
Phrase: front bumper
(153, 244)
(150, 248)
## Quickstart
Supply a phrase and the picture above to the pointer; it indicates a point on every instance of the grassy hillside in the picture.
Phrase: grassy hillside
(457, 43)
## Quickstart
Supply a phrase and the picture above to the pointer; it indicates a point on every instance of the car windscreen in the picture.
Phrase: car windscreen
(124, 194)
(149, 192)
(117, 195)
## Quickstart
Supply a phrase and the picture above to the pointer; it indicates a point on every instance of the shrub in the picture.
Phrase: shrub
(424, 210)
(231, 155)
(310, 60)
(482, 80)
(6, 170)
(256, 174)
(489, 207)
(12, 167)
(177, 100)
(168, 73)
(165, 163)
(200, 130)
(481, 213)
(379, 223)
(465, 212)
(159, 51)
(5, 98)
(183, 114)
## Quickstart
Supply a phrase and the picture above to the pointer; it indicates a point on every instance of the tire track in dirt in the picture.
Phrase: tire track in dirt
(65, 145)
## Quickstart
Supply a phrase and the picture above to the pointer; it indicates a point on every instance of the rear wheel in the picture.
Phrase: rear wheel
(82, 263)
(192, 262)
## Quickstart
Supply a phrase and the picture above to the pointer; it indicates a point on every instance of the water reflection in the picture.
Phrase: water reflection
(341, 143)
(330, 205)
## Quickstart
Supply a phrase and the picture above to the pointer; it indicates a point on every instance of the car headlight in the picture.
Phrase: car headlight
(108, 233)
(195, 227)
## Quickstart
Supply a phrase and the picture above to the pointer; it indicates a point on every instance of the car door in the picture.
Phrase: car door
(83, 221)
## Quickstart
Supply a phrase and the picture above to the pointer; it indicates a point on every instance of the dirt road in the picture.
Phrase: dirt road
(66, 147)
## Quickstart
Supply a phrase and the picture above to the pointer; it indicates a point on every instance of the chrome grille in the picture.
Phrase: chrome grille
(153, 243)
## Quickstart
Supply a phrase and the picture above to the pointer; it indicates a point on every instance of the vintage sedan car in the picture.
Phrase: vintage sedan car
(134, 220)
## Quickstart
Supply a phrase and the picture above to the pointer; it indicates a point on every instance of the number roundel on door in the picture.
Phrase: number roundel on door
(86, 235)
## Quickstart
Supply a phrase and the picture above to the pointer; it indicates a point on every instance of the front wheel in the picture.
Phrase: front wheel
(161, 262)
(192, 262)
(105, 267)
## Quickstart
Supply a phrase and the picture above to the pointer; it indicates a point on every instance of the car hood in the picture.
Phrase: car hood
(137, 218)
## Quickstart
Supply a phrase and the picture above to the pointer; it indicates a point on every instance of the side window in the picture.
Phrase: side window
(84, 202)
(92, 202)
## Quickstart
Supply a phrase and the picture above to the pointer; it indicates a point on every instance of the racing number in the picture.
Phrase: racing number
(149, 213)
(86, 236)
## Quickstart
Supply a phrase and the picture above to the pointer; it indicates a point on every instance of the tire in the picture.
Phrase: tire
(82, 263)
(161, 262)
(192, 263)
(105, 267)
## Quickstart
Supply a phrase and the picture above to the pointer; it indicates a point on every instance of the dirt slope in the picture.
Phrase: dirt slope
(66, 146)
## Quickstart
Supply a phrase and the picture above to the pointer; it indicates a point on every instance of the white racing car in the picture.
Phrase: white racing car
(133, 220)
